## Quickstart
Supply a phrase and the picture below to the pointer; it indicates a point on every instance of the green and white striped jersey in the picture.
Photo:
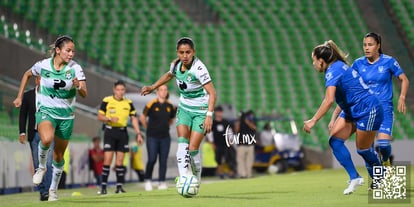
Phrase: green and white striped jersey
(57, 94)
(193, 96)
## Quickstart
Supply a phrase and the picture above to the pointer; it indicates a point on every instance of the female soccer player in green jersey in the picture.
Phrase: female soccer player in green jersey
(61, 79)
(196, 105)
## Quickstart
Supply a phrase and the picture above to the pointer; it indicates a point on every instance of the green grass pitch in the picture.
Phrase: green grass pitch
(308, 188)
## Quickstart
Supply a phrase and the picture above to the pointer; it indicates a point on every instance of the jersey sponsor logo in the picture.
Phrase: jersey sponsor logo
(328, 76)
(396, 64)
(182, 85)
(82, 75)
(205, 77)
(58, 84)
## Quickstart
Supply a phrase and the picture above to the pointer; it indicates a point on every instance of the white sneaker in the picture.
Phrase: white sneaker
(53, 195)
(38, 176)
(353, 184)
(148, 185)
(162, 186)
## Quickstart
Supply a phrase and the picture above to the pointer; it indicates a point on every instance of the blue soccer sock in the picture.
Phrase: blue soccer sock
(384, 146)
(371, 159)
(343, 156)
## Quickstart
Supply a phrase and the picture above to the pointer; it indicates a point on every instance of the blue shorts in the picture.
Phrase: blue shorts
(371, 122)
(388, 122)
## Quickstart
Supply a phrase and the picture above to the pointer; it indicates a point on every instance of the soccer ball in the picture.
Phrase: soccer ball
(272, 169)
(187, 186)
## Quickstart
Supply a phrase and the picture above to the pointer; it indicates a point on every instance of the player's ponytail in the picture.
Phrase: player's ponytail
(330, 52)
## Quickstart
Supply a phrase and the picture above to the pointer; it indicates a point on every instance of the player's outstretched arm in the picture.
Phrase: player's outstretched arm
(161, 81)
(18, 101)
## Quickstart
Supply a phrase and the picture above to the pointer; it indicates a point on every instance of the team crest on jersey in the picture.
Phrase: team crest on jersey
(381, 69)
(189, 78)
(68, 75)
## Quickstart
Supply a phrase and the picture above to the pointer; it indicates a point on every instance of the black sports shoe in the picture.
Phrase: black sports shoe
(119, 189)
(44, 196)
(102, 192)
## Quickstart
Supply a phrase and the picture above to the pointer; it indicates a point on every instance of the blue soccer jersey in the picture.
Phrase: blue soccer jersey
(353, 96)
(378, 76)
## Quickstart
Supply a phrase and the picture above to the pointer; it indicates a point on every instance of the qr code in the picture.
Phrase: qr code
(389, 183)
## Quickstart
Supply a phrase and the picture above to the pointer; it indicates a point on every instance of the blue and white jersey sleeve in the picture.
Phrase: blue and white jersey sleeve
(395, 68)
(332, 77)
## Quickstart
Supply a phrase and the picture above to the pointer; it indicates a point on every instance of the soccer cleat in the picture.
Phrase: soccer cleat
(162, 186)
(386, 163)
(148, 185)
(52, 195)
(353, 184)
(102, 192)
(44, 196)
(38, 176)
(119, 189)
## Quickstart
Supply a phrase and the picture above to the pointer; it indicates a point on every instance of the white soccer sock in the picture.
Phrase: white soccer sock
(42, 155)
(183, 158)
(195, 160)
(57, 173)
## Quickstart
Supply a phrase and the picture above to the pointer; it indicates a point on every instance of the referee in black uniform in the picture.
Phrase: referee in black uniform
(114, 112)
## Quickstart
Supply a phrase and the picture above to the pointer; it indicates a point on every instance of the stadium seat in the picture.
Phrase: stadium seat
(256, 46)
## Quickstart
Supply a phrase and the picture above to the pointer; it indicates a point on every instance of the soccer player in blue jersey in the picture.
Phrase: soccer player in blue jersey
(61, 79)
(195, 109)
(377, 70)
(357, 105)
